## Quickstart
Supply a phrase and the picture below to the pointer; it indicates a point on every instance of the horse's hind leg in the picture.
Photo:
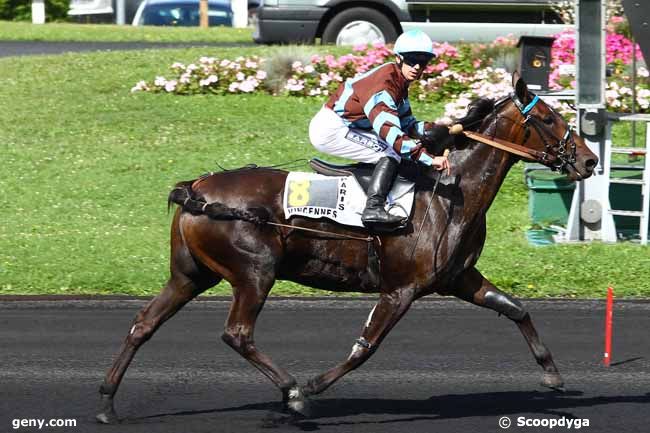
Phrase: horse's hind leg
(474, 288)
(249, 295)
(177, 292)
(187, 280)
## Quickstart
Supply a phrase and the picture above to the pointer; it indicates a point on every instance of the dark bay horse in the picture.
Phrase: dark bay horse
(219, 232)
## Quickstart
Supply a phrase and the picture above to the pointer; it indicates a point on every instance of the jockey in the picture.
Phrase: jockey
(369, 119)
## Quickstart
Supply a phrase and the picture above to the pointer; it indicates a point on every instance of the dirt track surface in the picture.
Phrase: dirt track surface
(446, 367)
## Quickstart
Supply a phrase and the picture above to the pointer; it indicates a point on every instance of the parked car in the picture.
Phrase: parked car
(104, 10)
(344, 22)
(181, 13)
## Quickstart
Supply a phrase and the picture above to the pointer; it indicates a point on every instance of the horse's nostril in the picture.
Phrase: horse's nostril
(590, 164)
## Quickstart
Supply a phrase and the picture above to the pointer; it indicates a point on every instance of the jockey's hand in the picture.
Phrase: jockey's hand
(437, 162)
(441, 163)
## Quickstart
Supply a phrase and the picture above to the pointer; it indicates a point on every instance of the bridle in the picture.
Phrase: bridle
(558, 152)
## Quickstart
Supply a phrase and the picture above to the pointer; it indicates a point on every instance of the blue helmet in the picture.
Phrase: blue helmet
(414, 41)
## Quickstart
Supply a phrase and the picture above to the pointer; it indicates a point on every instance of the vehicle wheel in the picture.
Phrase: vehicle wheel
(359, 25)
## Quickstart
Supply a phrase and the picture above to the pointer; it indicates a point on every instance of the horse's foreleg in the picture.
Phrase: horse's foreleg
(175, 294)
(383, 317)
(475, 288)
(248, 300)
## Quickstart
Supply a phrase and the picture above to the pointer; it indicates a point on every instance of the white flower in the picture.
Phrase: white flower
(248, 86)
(233, 87)
(211, 79)
(140, 86)
(296, 64)
(170, 86)
(224, 63)
(240, 76)
(178, 65)
(160, 81)
(260, 75)
(185, 78)
(294, 85)
(207, 60)
(191, 68)
(309, 69)
(642, 72)
(250, 64)
(314, 92)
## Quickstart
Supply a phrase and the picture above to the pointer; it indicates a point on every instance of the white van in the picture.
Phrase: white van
(101, 10)
(345, 22)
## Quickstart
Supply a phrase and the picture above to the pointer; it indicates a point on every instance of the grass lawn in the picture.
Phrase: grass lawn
(87, 167)
(24, 31)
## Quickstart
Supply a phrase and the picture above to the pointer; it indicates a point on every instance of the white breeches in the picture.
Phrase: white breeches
(329, 134)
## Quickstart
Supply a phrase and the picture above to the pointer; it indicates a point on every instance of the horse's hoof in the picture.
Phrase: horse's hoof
(107, 418)
(298, 405)
(107, 415)
(553, 381)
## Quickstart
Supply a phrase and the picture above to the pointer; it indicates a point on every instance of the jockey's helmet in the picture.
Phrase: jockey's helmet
(416, 42)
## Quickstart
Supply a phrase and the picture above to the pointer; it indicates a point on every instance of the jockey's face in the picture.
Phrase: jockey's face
(411, 68)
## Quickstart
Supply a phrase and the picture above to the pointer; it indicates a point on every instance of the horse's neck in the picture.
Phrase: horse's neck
(482, 170)
(483, 167)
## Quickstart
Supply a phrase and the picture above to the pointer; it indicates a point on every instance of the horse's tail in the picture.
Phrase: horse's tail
(183, 195)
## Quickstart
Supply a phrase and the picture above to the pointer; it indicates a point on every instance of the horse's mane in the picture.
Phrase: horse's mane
(477, 110)
(439, 139)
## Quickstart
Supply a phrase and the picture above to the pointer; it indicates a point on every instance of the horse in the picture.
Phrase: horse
(222, 230)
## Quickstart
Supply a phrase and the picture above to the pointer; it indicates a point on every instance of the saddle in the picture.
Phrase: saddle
(362, 172)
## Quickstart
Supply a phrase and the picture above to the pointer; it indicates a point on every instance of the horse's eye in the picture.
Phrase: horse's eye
(548, 120)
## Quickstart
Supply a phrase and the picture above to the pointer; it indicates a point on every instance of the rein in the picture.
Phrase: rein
(564, 150)
(508, 146)
(322, 232)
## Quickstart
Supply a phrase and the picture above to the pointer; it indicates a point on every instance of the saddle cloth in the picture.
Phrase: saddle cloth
(339, 198)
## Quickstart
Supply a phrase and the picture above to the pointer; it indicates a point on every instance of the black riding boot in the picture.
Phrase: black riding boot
(374, 214)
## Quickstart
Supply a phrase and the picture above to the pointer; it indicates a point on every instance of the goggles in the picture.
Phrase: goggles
(413, 59)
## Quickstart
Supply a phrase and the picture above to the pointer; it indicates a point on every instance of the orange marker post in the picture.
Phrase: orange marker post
(607, 357)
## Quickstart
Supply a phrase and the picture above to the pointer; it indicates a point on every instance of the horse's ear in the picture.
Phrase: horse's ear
(515, 78)
(521, 88)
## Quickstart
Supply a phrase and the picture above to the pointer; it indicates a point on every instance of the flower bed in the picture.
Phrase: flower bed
(458, 74)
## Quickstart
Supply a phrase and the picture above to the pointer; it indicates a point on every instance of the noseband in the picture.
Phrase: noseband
(559, 152)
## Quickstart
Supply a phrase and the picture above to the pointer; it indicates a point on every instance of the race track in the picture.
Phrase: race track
(446, 367)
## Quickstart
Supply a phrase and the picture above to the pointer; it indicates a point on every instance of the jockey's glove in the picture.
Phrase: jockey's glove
(422, 156)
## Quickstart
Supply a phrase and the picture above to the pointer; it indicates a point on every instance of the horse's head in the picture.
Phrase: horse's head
(537, 126)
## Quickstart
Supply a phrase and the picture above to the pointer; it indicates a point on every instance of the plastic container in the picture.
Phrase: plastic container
(549, 196)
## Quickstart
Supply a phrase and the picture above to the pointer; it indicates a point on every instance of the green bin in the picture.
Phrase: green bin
(626, 197)
(549, 197)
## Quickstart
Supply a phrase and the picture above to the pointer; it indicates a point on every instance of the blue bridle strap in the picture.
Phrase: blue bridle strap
(530, 106)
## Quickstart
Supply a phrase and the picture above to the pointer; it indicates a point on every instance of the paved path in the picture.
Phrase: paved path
(447, 367)
(26, 48)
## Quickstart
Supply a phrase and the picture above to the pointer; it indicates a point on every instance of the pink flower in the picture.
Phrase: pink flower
(440, 67)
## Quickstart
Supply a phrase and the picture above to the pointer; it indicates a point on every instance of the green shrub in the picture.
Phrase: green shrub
(21, 10)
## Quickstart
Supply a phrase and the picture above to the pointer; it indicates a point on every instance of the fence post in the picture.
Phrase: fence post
(607, 357)
(38, 11)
